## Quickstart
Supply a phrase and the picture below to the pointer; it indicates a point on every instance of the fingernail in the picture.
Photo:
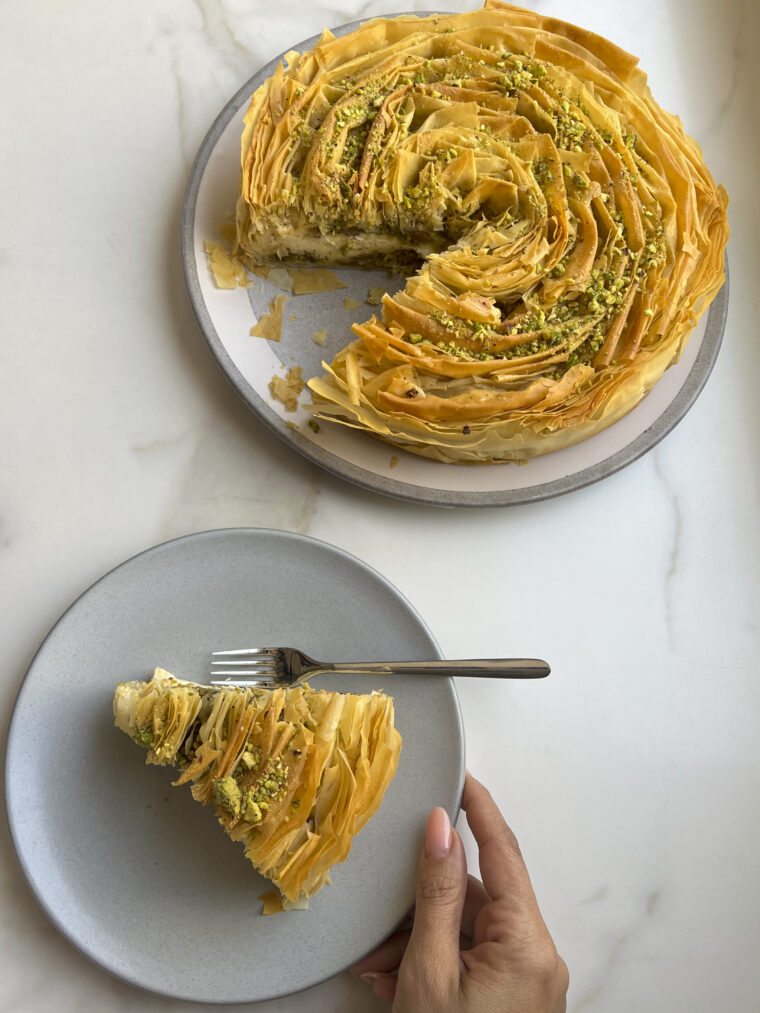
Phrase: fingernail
(370, 976)
(438, 837)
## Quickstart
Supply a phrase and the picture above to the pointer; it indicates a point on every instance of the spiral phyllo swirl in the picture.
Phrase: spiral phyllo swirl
(569, 232)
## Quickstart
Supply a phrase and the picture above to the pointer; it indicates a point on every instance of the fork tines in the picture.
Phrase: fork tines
(257, 663)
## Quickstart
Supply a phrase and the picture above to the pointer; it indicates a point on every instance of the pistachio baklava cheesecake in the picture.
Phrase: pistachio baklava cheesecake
(559, 231)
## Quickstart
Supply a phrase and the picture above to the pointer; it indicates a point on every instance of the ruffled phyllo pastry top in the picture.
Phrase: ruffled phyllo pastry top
(568, 230)
(293, 774)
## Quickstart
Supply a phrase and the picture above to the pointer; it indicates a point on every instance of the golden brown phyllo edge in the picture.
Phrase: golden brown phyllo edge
(293, 774)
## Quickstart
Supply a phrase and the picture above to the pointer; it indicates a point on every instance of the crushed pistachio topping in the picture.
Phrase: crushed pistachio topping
(250, 759)
(271, 787)
(227, 794)
(144, 737)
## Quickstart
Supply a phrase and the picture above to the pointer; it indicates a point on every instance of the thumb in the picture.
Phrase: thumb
(433, 948)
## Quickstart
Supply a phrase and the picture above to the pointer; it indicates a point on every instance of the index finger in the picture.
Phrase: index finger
(502, 868)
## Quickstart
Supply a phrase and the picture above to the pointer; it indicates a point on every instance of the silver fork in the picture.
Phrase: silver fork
(271, 667)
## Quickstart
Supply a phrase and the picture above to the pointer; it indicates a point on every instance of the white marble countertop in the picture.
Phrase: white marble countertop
(631, 776)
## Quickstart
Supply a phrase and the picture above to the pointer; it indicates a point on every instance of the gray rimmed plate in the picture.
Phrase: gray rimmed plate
(226, 318)
(134, 872)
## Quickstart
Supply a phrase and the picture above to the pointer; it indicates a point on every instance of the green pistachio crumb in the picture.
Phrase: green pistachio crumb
(227, 794)
(144, 737)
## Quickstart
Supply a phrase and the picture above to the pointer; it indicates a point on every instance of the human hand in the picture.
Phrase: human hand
(474, 947)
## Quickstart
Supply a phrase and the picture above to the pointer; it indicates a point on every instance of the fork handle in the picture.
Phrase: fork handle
(481, 668)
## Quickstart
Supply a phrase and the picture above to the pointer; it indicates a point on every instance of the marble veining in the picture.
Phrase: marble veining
(213, 490)
(597, 895)
(219, 33)
(5, 538)
(182, 128)
(737, 61)
(157, 446)
(674, 556)
(615, 955)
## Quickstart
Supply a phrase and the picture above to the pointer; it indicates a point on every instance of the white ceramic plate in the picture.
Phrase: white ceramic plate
(226, 318)
(134, 872)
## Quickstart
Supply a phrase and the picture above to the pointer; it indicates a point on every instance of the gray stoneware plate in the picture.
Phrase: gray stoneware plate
(226, 318)
(134, 872)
